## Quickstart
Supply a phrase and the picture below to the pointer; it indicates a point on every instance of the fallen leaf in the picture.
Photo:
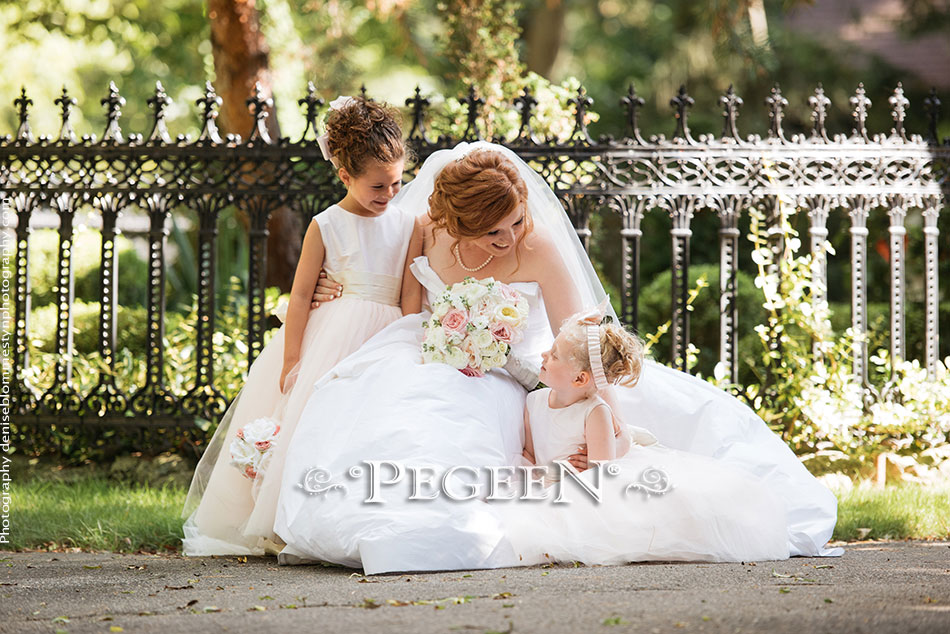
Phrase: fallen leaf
(828, 601)
(188, 587)
(212, 608)
(784, 590)
(502, 595)
(615, 620)
(257, 608)
(369, 604)
(92, 567)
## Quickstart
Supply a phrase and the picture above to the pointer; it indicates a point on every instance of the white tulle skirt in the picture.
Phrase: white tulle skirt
(654, 504)
(228, 513)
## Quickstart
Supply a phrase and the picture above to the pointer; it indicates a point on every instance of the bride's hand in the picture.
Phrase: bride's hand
(579, 459)
(326, 290)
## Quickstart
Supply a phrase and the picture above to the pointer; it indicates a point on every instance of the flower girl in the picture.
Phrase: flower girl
(361, 242)
(655, 503)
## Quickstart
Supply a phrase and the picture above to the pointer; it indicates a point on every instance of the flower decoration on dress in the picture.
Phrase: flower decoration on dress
(251, 450)
(473, 326)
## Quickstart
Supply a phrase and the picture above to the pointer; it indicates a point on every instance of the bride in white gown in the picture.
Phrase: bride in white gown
(383, 417)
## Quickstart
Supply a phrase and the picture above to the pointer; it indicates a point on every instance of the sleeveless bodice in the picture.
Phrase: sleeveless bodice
(366, 254)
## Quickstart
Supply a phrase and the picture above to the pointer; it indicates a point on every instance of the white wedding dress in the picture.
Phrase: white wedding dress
(383, 404)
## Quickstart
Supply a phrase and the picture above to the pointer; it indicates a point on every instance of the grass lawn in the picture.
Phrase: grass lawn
(96, 513)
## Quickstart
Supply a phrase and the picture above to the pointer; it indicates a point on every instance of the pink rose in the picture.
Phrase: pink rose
(470, 371)
(502, 332)
(510, 294)
(249, 472)
(454, 322)
(262, 445)
(240, 433)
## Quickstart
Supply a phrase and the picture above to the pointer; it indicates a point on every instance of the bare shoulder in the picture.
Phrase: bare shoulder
(540, 256)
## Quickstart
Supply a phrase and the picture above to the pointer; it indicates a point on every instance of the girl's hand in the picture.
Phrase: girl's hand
(288, 376)
(326, 290)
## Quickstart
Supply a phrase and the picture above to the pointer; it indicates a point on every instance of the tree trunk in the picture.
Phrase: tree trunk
(543, 35)
(241, 59)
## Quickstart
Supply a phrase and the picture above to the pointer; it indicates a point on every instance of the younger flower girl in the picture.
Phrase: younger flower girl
(361, 242)
(655, 503)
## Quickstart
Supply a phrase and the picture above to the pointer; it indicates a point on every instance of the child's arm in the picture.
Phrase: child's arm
(411, 297)
(599, 434)
(301, 294)
(528, 452)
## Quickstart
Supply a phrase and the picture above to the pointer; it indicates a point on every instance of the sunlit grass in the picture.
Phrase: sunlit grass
(899, 512)
(95, 514)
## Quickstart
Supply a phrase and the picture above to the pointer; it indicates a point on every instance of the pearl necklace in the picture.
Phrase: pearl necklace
(458, 258)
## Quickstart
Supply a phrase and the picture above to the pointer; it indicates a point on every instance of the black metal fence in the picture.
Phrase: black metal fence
(819, 173)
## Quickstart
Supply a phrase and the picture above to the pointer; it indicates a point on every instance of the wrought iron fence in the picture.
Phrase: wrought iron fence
(818, 173)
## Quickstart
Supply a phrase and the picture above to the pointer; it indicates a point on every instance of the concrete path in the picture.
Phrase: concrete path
(879, 587)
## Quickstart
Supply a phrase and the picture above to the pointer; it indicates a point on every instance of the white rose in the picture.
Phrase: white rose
(260, 430)
(508, 314)
(433, 356)
(456, 358)
(474, 293)
(436, 337)
(243, 454)
(439, 310)
(481, 338)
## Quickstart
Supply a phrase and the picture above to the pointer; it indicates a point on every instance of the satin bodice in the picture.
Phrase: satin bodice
(366, 254)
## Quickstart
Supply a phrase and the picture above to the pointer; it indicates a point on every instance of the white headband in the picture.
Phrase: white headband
(592, 320)
(322, 140)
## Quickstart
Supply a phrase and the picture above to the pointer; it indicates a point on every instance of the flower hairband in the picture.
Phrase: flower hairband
(592, 321)
(323, 141)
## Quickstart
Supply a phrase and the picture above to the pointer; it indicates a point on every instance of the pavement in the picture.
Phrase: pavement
(879, 587)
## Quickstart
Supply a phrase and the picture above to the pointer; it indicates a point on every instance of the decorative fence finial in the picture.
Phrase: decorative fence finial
(860, 105)
(731, 102)
(159, 103)
(681, 104)
(66, 103)
(313, 103)
(581, 103)
(113, 104)
(932, 108)
(899, 105)
(819, 112)
(632, 104)
(473, 102)
(525, 106)
(777, 104)
(418, 103)
(23, 104)
(209, 112)
(257, 104)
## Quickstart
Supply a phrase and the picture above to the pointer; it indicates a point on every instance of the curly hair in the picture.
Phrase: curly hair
(473, 194)
(620, 350)
(362, 131)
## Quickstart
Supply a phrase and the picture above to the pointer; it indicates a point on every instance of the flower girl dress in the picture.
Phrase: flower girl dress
(228, 513)
(654, 503)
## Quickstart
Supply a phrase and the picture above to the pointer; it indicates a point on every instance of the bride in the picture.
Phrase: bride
(357, 482)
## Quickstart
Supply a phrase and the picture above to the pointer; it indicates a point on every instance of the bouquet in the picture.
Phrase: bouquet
(473, 325)
(250, 451)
